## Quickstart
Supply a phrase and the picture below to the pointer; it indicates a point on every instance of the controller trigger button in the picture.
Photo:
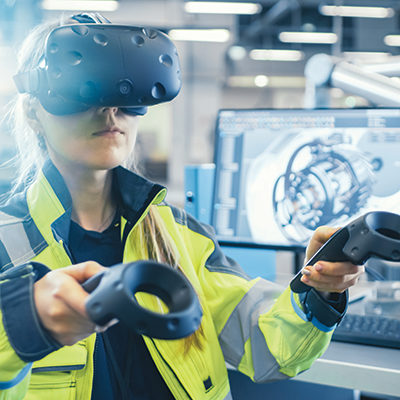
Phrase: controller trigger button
(354, 251)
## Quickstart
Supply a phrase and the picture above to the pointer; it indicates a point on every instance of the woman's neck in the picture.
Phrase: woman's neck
(91, 190)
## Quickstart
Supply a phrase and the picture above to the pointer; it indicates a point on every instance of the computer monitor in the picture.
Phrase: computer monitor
(280, 173)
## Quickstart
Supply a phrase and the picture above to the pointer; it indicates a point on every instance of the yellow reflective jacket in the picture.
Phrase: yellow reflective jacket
(252, 325)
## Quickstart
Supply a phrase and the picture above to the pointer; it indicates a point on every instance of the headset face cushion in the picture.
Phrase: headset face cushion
(61, 106)
(134, 110)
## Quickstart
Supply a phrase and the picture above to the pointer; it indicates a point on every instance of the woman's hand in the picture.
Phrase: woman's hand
(60, 302)
(328, 276)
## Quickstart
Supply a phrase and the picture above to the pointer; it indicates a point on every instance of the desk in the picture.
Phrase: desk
(342, 370)
(352, 366)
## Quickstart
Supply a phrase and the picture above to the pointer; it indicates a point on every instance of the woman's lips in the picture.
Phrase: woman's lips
(109, 131)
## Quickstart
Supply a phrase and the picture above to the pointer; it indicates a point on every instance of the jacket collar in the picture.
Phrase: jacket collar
(50, 202)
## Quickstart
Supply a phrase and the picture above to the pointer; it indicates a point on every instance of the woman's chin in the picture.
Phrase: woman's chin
(107, 161)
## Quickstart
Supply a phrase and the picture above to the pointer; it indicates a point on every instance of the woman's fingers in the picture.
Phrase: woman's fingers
(334, 268)
(83, 271)
(78, 274)
(60, 302)
(328, 276)
(332, 277)
(318, 239)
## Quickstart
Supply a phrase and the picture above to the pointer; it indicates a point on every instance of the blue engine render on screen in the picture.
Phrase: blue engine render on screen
(281, 173)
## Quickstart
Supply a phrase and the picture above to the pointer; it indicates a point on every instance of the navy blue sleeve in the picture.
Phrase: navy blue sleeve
(324, 310)
(26, 334)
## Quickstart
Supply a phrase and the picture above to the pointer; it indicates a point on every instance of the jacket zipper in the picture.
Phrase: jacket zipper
(127, 228)
(205, 377)
(170, 368)
(62, 248)
(96, 345)
(69, 254)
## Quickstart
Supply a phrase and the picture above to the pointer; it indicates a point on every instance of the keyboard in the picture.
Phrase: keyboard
(369, 329)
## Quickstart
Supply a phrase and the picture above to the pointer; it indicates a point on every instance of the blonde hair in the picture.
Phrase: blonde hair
(31, 151)
(159, 246)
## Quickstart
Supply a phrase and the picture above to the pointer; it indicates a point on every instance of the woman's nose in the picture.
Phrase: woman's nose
(113, 110)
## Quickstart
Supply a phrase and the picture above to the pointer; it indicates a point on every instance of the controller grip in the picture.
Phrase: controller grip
(332, 251)
(375, 234)
(92, 283)
(112, 296)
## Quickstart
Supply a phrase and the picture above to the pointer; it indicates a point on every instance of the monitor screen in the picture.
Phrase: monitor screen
(282, 173)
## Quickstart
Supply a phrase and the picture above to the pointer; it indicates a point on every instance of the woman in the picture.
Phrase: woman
(79, 212)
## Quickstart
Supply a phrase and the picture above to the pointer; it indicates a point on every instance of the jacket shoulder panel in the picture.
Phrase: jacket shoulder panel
(20, 240)
(217, 261)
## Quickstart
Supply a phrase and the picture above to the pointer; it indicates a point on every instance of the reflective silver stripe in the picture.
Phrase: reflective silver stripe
(7, 219)
(243, 325)
(264, 363)
(16, 243)
(228, 396)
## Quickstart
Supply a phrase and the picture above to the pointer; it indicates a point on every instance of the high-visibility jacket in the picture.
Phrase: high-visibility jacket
(254, 326)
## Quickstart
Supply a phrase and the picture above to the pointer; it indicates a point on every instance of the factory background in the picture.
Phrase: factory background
(240, 55)
(245, 55)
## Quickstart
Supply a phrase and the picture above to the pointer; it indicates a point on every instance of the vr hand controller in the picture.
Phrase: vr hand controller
(373, 234)
(112, 295)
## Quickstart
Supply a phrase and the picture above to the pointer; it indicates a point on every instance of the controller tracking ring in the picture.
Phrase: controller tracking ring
(112, 295)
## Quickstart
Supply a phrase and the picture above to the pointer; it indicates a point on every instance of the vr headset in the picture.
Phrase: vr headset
(104, 65)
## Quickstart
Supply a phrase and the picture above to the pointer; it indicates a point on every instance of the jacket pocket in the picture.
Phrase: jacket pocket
(55, 376)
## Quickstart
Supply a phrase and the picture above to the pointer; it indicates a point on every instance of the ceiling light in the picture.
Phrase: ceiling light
(241, 81)
(200, 35)
(222, 7)
(363, 12)
(276, 55)
(367, 55)
(308, 37)
(261, 80)
(250, 81)
(237, 53)
(81, 5)
(392, 40)
(287, 81)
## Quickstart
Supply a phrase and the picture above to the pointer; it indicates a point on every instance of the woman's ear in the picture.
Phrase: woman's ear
(30, 106)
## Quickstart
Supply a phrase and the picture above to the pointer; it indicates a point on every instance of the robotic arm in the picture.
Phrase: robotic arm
(324, 71)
